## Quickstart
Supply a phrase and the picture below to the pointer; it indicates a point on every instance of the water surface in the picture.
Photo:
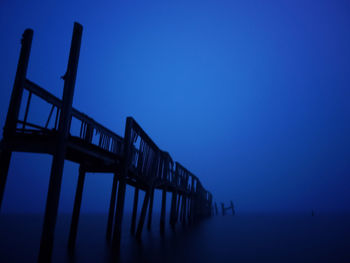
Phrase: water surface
(240, 238)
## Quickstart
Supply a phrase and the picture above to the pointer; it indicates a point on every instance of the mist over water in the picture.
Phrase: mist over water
(249, 237)
(251, 96)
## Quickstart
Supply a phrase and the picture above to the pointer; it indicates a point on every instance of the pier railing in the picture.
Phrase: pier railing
(90, 131)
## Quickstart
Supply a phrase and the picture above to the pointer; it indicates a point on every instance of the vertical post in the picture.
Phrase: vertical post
(143, 214)
(216, 209)
(76, 209)
(189, 200)
(14, 106)
(162, 212)
(192, 198)
(150, 210)
(177, 208)
(233, 208)
(122, 184)
(173, 209)
(223, 209)
(184, 201)
(134, 210)
(111, 208)
(53, 195)
(119, 212)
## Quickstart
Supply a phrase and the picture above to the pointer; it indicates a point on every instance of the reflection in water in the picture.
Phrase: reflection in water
(243, 238)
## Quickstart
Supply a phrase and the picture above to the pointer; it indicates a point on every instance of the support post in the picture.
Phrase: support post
(111, 208)
(119, 212)
(122, 184)
(134, 210)
(173, 209)
(53, 194)
(223, 209)
(150, 210)
(143, 214)
(162, 212)
(177, 208)
(233, 208)
(189, 208)
(216, 209)
(14, 107)
(76, 209)
(184, 208)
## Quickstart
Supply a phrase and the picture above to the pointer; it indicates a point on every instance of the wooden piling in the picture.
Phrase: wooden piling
(134, 210)
(76, 209)
(14, 107)
(150, 210)
(119, 213)
(223, 209)
(111, 207)
(177, 211)
(53, 195)
(162, 212)
(173, 209)
(216, 209)
(184, 207)
(143, 214)
(233, 208)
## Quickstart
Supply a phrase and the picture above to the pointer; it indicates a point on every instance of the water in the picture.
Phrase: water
(242, 238)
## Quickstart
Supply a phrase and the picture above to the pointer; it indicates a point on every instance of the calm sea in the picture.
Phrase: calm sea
(240, 238)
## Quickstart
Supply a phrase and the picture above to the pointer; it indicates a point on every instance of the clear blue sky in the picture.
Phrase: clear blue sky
(251, 96)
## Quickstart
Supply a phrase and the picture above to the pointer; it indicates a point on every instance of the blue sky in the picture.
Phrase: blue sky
(251, 96)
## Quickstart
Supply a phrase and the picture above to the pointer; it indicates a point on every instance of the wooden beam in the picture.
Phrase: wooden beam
(111, 207)
(76, 209)
(134, 210)
(150, 210)
(14, 107)
(173, 209)
(119, 213)
(233, 208)
(162, 213)
(47, 237)
(143, 214)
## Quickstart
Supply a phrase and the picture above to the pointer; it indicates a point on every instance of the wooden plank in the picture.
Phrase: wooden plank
(76, 209)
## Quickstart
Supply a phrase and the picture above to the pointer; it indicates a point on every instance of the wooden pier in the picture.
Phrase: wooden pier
(134, 159)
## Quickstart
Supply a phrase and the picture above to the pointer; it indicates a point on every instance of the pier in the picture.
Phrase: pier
(134, 159)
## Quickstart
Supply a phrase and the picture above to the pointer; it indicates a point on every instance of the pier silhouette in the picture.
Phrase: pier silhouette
(134, 158)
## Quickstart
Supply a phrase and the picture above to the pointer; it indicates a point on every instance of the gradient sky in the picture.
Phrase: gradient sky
(251, 96)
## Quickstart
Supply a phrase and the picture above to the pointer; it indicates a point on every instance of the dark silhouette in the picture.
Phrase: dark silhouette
(227, 208)
(134, 160)
(216, 209)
